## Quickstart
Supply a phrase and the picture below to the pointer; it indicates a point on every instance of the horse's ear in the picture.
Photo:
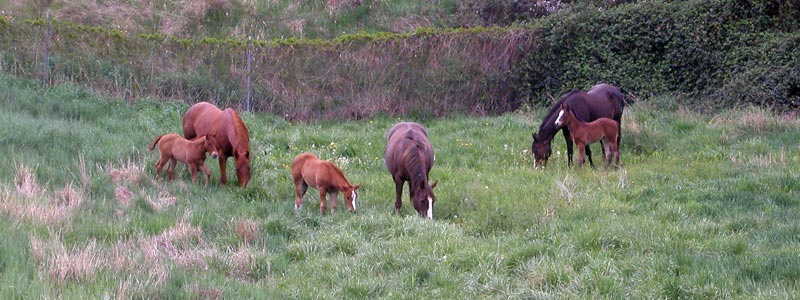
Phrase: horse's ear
(355, 187)
(434, 184)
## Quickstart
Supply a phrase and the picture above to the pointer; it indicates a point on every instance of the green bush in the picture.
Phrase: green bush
(686, 47)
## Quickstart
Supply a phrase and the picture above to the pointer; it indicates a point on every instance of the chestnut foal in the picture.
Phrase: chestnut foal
(308, 170)
(583, 134)
(174, 147)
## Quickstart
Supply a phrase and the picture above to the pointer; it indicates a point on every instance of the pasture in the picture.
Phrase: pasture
(704, 207)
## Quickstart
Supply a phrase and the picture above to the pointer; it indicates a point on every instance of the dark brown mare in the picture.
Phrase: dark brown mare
(409, 157)
(173, 147)
(602, 101)
(583, 134)
(308, 170)
(232, 136)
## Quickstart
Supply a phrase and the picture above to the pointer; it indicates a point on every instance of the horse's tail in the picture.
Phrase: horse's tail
(155, 141)
(614, 103)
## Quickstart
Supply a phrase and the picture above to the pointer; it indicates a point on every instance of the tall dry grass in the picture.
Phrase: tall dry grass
(30, 201)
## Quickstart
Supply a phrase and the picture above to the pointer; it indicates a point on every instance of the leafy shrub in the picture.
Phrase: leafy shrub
(688, 47)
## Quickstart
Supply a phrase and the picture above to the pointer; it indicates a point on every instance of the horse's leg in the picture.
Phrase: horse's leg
(222, 160)
(619, 132)
(160, 165)
(581, 155)
(171, 168)
(589, 152)
(300, 188)
(398, 189)
(193, 171)
(333, 196)
(568, 140)
(615, 150)
(607, 153)
(203, 168)
(322, 203)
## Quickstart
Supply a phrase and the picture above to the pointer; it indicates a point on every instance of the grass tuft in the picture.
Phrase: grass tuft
(25, 183)
(62, 265)
(163, 201)
(29, 200)
(567, 188)
(247, 230)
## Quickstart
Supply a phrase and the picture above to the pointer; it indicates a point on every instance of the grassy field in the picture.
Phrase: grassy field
(705, 207)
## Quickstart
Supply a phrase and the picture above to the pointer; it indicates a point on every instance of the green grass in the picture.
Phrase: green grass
(705, 207)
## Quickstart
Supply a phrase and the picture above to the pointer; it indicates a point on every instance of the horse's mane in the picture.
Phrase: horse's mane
(414, 165)
(338, 172)
(242, 134)
(546, 122)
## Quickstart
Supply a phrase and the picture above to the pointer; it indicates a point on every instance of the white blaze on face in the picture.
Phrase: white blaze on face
(560, 115)
(430, 208)
(354, 196)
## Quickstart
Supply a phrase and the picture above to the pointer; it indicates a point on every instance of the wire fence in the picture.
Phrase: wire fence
(426, 73)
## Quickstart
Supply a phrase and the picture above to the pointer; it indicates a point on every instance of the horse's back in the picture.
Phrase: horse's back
(167, 142)
(404, 127)
(314, 171)
(607, 94)
(300, 161)
(401, 138)
(200, 119)
(607, 126)
(400, 132)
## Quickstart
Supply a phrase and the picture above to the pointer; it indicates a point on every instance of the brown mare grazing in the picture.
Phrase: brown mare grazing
(308, 170)
(602, 101)
(173, 147)
(232, 136)
(409, 157)
(583, 134)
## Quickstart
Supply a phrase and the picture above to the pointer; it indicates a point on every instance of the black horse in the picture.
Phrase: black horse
(602, 101)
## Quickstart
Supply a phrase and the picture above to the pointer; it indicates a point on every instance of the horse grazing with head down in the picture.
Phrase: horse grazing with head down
(173, 147)
(308, 170)
(583, 134)
(602, 101)
(409, 157)
(231, 136)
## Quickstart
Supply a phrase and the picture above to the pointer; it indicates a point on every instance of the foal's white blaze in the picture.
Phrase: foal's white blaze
(430, 208)
(354, 196)
(560, 115)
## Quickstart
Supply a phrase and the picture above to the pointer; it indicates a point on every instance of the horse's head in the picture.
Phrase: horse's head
(541, 150)
(423, 199)
(243, 168)
(350, 196)
(210, 144)
(564, 115)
